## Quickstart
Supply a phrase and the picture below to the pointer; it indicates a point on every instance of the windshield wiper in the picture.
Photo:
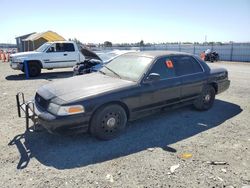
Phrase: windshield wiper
(112, 71)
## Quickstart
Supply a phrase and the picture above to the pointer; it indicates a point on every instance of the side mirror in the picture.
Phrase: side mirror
(152, 77)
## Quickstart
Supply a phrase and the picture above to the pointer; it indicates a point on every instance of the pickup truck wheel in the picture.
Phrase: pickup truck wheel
(206, 99)
(34, 69)
(108, 122)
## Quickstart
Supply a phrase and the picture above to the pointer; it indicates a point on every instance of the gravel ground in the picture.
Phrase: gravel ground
(143, 155)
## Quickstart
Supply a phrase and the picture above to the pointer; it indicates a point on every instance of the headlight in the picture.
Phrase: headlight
(53, 108)
(65, 110)
(17, 60)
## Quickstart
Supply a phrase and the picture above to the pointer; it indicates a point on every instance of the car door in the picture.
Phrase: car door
(164, 91)
(60, 55)
(71, 55)
(192, 75)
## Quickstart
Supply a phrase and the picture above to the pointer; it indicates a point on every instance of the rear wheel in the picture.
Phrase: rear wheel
(217, 58)
(108, 122)
(211, 58)
(206, 99)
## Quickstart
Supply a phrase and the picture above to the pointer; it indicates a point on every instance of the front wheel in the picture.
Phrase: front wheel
(34, 69)
(108, 122)
(206, 99)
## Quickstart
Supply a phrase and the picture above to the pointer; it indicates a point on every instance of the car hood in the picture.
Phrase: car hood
(23, 54)
(82, 87)
(88, 54)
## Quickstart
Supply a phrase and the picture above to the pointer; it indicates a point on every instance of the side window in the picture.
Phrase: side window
(68, 47)
(51, 48)
(65, 47)
(185, 65)
(161, 68)
(59, 47)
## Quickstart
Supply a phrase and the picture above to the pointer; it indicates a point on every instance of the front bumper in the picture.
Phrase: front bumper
(53, 123)
(80, 70)
(16, 65)
(72, 123)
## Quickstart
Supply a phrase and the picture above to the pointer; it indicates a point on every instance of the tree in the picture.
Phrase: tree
(141, 43)
(76, 41)
(107, 44)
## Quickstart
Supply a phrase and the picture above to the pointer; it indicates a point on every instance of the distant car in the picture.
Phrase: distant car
(130, 86)
(86, 66)
(94, 61)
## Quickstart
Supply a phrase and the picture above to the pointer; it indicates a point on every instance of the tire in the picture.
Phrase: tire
(34, 69)
(206, 99)
(108, 122)
(211, 58)
(217, 58)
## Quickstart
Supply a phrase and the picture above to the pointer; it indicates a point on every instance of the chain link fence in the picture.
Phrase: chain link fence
(227, 52)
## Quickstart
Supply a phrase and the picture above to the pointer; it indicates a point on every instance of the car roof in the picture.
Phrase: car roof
(61, 41)
(157, 53)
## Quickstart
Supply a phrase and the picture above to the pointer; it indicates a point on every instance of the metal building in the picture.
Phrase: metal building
(20, 42)
(35, 40)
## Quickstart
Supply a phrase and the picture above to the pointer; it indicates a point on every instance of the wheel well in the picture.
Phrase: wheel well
(215, 86)
(124, 106)
(36, 61)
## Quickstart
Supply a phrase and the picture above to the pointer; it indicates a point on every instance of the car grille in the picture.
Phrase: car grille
(43, 103)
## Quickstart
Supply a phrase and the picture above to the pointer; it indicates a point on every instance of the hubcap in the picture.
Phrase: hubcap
(207, 97)
(111, 122)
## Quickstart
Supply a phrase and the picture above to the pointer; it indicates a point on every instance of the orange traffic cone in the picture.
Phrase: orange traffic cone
(4, 57)
(202, 56)
(8, 57)
(1, 55)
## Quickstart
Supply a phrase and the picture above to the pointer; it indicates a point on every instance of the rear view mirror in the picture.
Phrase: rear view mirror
(152, 77)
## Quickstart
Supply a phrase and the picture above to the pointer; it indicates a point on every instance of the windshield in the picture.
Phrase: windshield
(128, 67)
(43, 47)
(106, 56)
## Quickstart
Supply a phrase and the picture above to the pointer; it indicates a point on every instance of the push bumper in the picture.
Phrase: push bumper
(72, 123)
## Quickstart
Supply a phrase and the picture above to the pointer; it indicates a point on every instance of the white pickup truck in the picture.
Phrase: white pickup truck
(50, 55)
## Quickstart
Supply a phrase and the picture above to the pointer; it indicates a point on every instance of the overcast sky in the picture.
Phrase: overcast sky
(129, 20)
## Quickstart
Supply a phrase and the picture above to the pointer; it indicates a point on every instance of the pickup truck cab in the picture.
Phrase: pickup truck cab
(130, 86)
(51, 55)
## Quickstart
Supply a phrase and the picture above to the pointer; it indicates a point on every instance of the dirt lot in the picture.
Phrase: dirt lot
(143, 155)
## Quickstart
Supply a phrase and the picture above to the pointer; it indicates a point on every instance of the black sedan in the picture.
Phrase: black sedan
(127, 88)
